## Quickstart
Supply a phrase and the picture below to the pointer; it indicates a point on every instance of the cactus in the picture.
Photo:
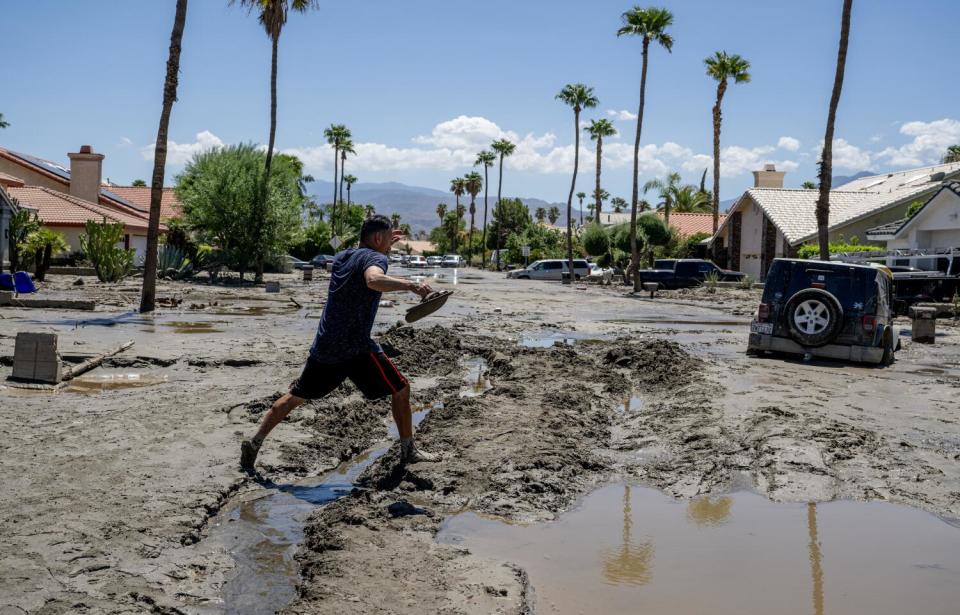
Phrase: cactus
(111, 262)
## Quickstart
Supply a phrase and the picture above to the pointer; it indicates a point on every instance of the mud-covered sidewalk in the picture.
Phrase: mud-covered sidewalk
(108, 497)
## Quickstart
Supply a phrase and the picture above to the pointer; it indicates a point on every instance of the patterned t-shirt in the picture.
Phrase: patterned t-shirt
(347, 320)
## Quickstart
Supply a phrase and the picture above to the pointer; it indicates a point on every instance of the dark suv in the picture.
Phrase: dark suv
(686, 272)
(833, 310)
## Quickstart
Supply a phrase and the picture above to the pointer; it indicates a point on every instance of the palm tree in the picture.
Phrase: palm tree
(441, 211)
(395, 218)
(472, 183)
(149, 290)
(688, 199)
(272, 15)
(580, 196)
(722, 67)
(650, 24)
(618, 204)
(485, 158)
(540, 215)
(346, 147)
(577, 96)
(335, 135)
(459, 211)
(598, 129)
(458, 188)
(592, 207)
(504, 148)
(809, 185)
(368, 210)
(952, 155)
(826, 159)
(665, 190)
(4, 124)
(351, 180)
(553, 214)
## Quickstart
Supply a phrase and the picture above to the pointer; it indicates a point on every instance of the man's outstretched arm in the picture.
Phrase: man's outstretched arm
(379, 281)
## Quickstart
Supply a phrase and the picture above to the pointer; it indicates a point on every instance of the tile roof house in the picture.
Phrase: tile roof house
(170, 206)
(686, 224)
(65, 199)
(7, 209)
(769, 221)
(930, 237)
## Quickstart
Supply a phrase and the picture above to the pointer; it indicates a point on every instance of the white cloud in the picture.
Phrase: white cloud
(788, 143)
(622, 115)
(181, 153)
(125, 142)
(930, 141)
(848, 156)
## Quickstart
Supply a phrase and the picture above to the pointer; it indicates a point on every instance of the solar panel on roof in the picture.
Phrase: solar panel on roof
(60, 171)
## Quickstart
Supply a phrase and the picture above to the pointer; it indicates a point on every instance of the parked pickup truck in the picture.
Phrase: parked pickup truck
(685, 272)
(912, 286)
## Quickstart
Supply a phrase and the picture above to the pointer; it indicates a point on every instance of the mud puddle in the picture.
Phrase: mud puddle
(629, 549)
(195, 326)
(547, 339)
(263, 534)
(99, 382)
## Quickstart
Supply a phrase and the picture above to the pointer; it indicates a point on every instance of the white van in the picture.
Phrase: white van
(550, 269)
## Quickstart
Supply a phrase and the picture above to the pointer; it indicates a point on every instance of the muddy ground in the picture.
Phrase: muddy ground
(110, 488)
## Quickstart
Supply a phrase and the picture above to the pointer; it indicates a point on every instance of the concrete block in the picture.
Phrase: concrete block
(36, 357)
(308, 273)
(924, 330)
(272, 287)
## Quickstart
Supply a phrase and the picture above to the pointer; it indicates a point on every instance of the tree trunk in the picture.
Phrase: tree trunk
(573, 187)
(265, 189)
(826, 159)
(483, 241)
(496, 208)
(348, 195)
(634, 251)
(473, 211)
(596, 209)
(333, 206)
(149, 290)
(721, 88)
(456, 228)
(343, 173)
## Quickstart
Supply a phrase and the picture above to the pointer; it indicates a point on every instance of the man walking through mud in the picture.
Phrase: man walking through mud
(343, 348)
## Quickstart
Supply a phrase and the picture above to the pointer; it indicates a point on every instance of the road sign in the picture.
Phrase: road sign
(525, 250)
(335, 242)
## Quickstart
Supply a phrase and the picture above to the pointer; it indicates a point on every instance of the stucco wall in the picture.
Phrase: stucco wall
(72, 235)
(30, 177)
(859, 229)
(4, 235)
(751, 240)
(938, 224)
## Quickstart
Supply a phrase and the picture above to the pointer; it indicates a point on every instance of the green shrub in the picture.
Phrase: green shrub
(812, 251)
(111, 262)
(744, 283)
(595, 240)
(173, 263)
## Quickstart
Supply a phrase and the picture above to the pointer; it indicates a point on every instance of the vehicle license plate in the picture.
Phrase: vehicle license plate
(765, 328)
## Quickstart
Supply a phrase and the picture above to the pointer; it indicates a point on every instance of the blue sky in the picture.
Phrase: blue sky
(424, 84)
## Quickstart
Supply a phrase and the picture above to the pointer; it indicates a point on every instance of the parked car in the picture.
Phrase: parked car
(452, 260)
(599, 273)
(550, 269)
(434, 261)
(416, 261)
(322, 260)
(404, 259)
(826, 309)
(395, 257)
(918, 286)
(686, 272)
(288, 263)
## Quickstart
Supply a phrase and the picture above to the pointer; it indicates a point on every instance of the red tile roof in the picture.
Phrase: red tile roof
(691, 224)
(170, 205)
(10, 180)
(61, 209)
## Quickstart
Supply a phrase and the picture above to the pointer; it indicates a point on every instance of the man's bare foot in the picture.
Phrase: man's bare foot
(411, 454)
(248, 454)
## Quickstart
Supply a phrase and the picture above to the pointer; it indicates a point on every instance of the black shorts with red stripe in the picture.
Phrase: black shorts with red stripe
(372, 372)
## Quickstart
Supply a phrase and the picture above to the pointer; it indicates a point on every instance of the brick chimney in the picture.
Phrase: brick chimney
(85, 173)
(769, 177)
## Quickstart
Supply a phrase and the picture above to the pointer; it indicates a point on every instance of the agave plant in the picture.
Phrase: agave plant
(173, 263)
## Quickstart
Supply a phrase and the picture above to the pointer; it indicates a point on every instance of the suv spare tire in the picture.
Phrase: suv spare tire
(814, 317)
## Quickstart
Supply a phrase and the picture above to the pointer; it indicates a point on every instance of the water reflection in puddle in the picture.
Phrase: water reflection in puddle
(629, 549)
(633, 403)
(99, 382)
(475, 377)
(197, 326)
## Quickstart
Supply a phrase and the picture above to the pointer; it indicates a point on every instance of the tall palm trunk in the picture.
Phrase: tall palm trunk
(826, 160)
(483, 241)
(473, 212)
(333, 211)
(596, 209)
(343, 173)
(348, 195)
(634, 249)
(721, 89)
(149, 291)
(573, 187)
(496, 208)
(265, 187)
(457, 228)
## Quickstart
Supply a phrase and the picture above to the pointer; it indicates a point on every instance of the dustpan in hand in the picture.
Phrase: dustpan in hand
(430, 304)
